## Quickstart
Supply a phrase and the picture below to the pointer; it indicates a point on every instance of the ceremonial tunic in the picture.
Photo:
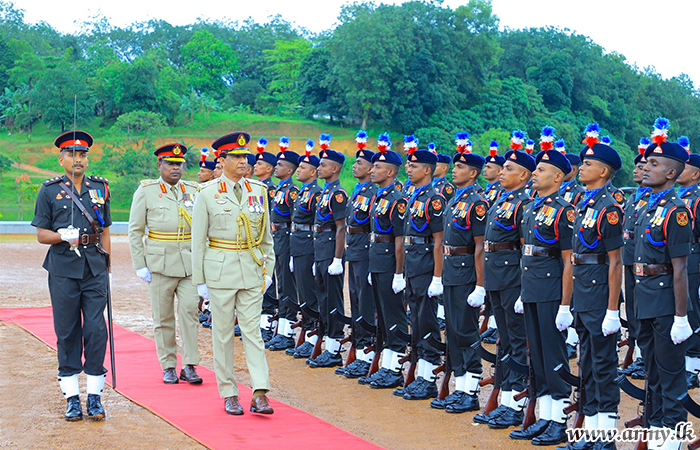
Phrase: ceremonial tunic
(77, 284)
(466, 218)
(632, 207)
(301, 245)
(166, 211)
(270, 301)
(444, 188)
(231, 270)
(597, 230)
(281, 217)
(362, 302)
(408, 189)
(691, 197)
(502, 279)
(424, 218)
(667, 234)
(572, 192)
(491, 193)
(546, 228)
(386, 221)
(331, 206)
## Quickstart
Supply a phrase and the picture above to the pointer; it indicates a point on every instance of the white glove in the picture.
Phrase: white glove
(369, 278)
(110, 280)
(435, 287)
(399, 283)
(336, 267)
(477, 297)
(71, 235)
(268, 283)
(564, 318)
(611, 323)
(680, 331)
(203, 291)
(144, 274)
(291, 264)
(518, 307)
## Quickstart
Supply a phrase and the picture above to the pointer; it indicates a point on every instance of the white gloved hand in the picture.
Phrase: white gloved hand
(203, 291)
(680, 331)
(313, 269)
(435, 287)
(399, 283)
(564, 318)
(369, 278)
(477, 297)
(71, 236)
(291, 264)
(611, 322)
(144, 274)
(336, 267)
(268, 283)
(518, 307)
(110, 280)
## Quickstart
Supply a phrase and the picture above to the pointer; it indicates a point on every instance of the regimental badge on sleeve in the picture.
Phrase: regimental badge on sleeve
(613, 218)
(571, 215)
(339, 198)
(401, 208)
(437, 205)
(448, 189)
(293, 195)
(480, 210)
(619, 197)
(682, 218)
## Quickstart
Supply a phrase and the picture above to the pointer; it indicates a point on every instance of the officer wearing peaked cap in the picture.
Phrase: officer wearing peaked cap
(232, 257)
(164, 259)
(72, 215)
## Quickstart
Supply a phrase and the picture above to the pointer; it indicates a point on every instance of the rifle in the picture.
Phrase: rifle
(497, 378)
(291, 304)
(412, 356)
(645, 397)
(579, 393)
(377, 343)
(446, 367)
(345, 320)
(484, 323)
(318, 331)
(531, 389)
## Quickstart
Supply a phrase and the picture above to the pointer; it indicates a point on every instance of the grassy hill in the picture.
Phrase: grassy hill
(38, 157)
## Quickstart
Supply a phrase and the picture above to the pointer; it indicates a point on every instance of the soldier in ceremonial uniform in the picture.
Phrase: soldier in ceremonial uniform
(423, 232)
(386, 260)
(232, 257)
(463, 274)
(570, 189)
(597, 269)
(329, 247)
(440, 183)
(250, 164)
(362, 302)
(492, 171)
(410, 144)
(281, 217)
(546, 293)
(164, 260)
(206, 168)
(661, 296)
(301, 245)
(78, 266)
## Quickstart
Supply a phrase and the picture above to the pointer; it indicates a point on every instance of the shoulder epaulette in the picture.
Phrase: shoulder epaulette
(148, 182)
(52, 180)
(100, 179)
(258, 182)
(192, 184)
(209, 183)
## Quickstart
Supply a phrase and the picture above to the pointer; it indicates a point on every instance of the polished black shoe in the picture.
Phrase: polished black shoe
(427, 390)
(441, 322)
(639, 374)
(189, 374)
(368, 379)
(236, 330)
(357, 369)
(266, 333)
(485, 418)
(283, 343)
(273, 341)
(417, 383)
(169, 376)
(207, 324)
(579, 445)
(530, 432)
(489, 336)
(602, 445)
(303, 351)
(509, 418)
(326, 359)
(74, 412)
(340, 370)
(452, 398)
(95, 411)
(204, 316)
(571, 351)
(465, 404)
(553, 435)
(389, 379)
(692, 380)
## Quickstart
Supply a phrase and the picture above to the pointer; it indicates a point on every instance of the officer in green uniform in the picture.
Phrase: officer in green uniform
(164, 260)
(77, 262)
(232, 257)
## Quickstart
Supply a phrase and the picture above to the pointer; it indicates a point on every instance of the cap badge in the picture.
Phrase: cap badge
(176, 150)
(241, 140)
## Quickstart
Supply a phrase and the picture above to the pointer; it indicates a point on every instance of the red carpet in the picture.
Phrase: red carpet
(197, 410)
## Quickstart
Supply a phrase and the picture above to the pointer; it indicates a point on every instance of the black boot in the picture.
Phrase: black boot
(465, 404)
(579, 445)
(283, 343)
(266, 333)
(73, 410)
(416, 384)
(357, 369)
(368, 379)
(427, 390)
(554, 434)
(326, 359)
(692, 380)
(485, 418)
(95, 411)
(571, 351)
(510, 418)
(387, 380)
(489, 336)
(303, 351)
(450, 399)
(530, 432)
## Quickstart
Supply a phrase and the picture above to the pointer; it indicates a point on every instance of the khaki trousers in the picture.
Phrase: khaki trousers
(162, 290)
(225, 305)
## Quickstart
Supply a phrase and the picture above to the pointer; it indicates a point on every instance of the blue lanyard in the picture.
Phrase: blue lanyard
(358, 188)
(437, 180)
(684, 190)
(538, 201)
(641, 192)
(461, 191)
(565, 185)
(281, 185)
(504, 196)
(590, 194)
(384, 189)
(654, 198)
(416, 193)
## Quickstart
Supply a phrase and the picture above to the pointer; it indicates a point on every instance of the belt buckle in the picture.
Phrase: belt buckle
(527, 250)
(447, 250)
(573, 259)
(84, 239)
(639, 269)
(372, 237)
(316, 228)
(626, 234)
(294, 226)
(407, 240)
(488, 246)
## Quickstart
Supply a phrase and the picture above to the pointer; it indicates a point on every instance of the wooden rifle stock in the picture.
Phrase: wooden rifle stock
(302, 334)
(694, 444)
(629, 355)
(486, 381)
(445, 384)
(484, 323)
(374, 367)
(636, 422)
(531, 391)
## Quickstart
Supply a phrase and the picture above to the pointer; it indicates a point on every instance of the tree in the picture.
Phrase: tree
(60, 98)
(284, 66)
(209, 63)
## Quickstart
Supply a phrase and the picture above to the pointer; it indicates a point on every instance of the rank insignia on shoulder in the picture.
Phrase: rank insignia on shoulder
(619, 197)
(571, 215)
(682, 218)
(612, 218)
(480, 210)
(437, 205)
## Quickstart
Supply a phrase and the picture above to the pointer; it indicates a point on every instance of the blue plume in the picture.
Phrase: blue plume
(409, 138)
(606, 140)
(560, 144)
(461, 136)
(592, 127)
(547, 130)
(519, 134)
(683, 141)
(431, 146)
(362, 134)
(661, 123)
(262, 141)
(530, 142)
(310, 143)
(645, 141)
(284, 140)
(384, 137)
(493, 144)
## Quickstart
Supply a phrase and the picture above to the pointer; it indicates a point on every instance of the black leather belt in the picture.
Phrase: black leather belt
(491, 247)
(302, 227)
(89, 238)
(628, 234)
(452, 250)
(536, 250)
(358, 230)
(322, 228)
(579, 259)
(411, 240)
(648, 270)
(279, 225)
(374, 237)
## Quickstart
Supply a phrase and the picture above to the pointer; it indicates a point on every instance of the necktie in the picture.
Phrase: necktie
(237, 191)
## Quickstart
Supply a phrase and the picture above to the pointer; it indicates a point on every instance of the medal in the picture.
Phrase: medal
(188, 203)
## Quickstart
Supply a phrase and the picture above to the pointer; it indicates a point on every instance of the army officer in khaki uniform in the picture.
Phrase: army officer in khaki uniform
(164, 261)
(233, 260)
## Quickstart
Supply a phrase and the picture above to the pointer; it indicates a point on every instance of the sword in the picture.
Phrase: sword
(109, 320)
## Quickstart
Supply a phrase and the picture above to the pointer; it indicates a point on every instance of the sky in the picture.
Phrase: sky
(648, 33)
